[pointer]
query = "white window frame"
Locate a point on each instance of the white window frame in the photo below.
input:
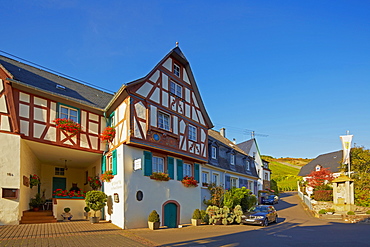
(216, 178)
(109, 163)
(248, 165)
(157, 164)
(213, 152)
(205, 177)
(68, 114)
(176, 70)
(233, 182)
(192, 133)
(176, 89)
(164, 120)
(187, 170)
(232, 159)
(317, 168)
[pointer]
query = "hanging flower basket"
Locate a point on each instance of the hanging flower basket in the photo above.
(34, 180)
(68, 125)
(108, 134)
(107, 176)
(160, 176)
(94, 182)
(189, 182)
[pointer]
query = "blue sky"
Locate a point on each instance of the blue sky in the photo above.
(297, 71)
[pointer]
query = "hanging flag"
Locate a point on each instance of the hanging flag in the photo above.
(346, 143)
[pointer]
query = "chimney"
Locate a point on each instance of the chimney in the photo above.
(234, 141)
(223, 132)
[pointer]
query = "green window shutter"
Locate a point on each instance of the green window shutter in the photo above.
(171, 167)
(180, 171)
(114, 162)
(196, 172)
(147, 163)
(103, 166)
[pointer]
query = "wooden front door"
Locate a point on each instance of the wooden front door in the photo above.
(170, 215)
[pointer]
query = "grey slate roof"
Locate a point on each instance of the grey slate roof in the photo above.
(223, 162)
(330, 160)
(45, 81)
(246, 146)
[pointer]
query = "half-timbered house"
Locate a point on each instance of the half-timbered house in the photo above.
(160, 126)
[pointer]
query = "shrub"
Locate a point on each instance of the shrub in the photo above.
(196, 214)
(368, 212)
(323, 195)
(322, 211)
(95, 200)
(205, 217)
(87, 209)
(350, 213)
(67, 210)
(331, 210)
(153, 216)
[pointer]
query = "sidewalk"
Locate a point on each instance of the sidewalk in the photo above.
(74, 233)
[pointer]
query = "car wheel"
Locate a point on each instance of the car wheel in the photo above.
(266, 222)
(276, 219)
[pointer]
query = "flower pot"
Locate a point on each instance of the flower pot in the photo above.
(153, 225)
(196, 222)
(94, 220)
(35, 209)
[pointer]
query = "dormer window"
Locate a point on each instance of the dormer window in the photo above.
(176, 70)
(232, 159)
(214, 152)
(176, 89)
(318, 168)
(247, 165)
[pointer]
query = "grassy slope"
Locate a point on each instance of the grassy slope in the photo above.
(285, 176)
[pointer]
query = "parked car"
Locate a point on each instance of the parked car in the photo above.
(260, 215)
(270, 199)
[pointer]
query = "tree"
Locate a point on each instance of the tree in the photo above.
(239, 196)
(318, 179)
(360, 166)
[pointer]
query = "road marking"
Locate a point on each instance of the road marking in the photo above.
(282, 236)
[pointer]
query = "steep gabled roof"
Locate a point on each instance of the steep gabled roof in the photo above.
(246, 146)
(330, 160)
(38, 79)
(180, 57)
(216, 135)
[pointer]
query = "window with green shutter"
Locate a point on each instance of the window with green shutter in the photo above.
(171, 167)
(180, 172)
(103, 164)
(147, 163)
(114, 162)
(196, 172)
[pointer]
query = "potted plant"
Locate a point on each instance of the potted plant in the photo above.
(331, 211)
(34, 180)
(86, 213)
(153, 220)
(36, 202)
(197, 218)
(67, 216)
(94, 182)
(189, 181)
(95, 200)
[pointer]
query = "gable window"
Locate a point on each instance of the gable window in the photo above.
(158, 164)
(318, 168)
(232, 159)
(176, 70)
(163, 121)
(68, 113)
(214, 152)
(176, 89)
(192, 133)
(188, 171)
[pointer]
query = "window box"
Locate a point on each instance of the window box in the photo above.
(160, 176)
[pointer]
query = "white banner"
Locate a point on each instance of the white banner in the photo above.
(346, 143)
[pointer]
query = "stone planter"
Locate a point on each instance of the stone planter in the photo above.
(196, 222)
(94, 220)
(153, 225)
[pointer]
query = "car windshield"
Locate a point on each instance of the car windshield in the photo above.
(259, 210)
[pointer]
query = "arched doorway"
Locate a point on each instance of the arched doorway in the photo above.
(171, 212)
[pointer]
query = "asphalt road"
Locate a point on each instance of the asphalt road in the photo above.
(296, 227)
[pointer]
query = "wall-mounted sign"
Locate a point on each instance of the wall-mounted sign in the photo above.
(137, 164)
(26, 181)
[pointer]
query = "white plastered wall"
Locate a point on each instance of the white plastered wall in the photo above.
(129, 212)
(10, 177)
